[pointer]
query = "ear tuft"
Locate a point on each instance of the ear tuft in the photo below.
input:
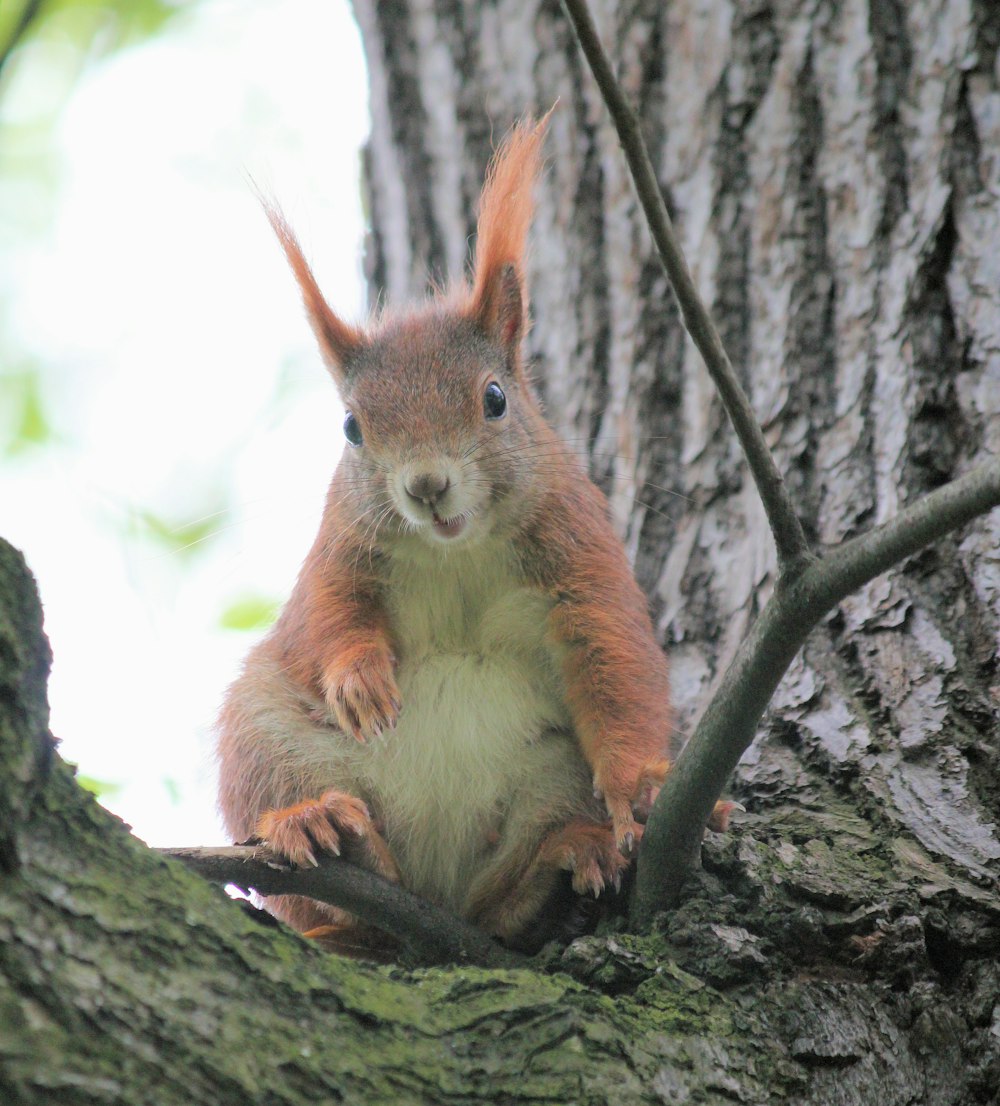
(338, 340)
(499, 291)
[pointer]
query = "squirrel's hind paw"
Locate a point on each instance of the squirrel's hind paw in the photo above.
(334, 823)
(590, 851)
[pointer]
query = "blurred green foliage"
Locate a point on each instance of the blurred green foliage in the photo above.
(249, 612)
(89, 28)
(185, 537)
(24, 423)
(45, 47)
(103, 789)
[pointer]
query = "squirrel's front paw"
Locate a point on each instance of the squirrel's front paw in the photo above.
(362, 695)
(629, 800)
(629, 796)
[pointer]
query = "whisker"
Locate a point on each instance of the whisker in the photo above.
(372, 528)
(655, 510)
(371, 546)
(667, 491)
(352, 525)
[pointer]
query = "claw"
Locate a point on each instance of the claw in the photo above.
(363, 696)
(718, 820)
(319, 932)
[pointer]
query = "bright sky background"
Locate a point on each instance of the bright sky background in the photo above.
(179, 373)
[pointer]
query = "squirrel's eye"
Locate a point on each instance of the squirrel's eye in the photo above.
(352, 431)
(494, 402)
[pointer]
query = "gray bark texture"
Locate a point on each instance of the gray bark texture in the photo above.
(834, 174)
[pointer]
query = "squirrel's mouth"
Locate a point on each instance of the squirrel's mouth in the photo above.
(448, 527)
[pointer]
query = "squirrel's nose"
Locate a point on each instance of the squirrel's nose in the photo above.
(427, 487)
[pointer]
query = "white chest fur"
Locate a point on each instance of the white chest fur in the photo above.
(477, 684)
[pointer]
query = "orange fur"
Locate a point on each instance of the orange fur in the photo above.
(335, 636)
(337, 339)
(535, 618)
(506, 207)
(350, 939)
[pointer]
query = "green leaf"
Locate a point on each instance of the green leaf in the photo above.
(249, 612)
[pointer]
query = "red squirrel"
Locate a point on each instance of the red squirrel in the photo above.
(464, 691)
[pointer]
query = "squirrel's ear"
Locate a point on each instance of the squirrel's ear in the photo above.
(498, 291)
(499, 307)
(338, 340)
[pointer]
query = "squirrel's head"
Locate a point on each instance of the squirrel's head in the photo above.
(440, 408)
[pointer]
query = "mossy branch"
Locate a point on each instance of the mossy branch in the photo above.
(807, 586)
(431, 935)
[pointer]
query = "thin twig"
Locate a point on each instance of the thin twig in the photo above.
(432, 935)
(673, 833)
(785, 525)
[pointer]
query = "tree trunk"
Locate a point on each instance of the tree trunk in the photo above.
(833, 173)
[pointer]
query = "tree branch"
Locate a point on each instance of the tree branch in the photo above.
(847, 567)
(433, 935)
(674, 830)
(784, 522)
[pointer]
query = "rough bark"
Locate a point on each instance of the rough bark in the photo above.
(832, 171)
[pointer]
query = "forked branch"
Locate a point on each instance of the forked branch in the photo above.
(807, 587)
(674, 830)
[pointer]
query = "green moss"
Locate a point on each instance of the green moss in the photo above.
(829, 857)
(672, 1001)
